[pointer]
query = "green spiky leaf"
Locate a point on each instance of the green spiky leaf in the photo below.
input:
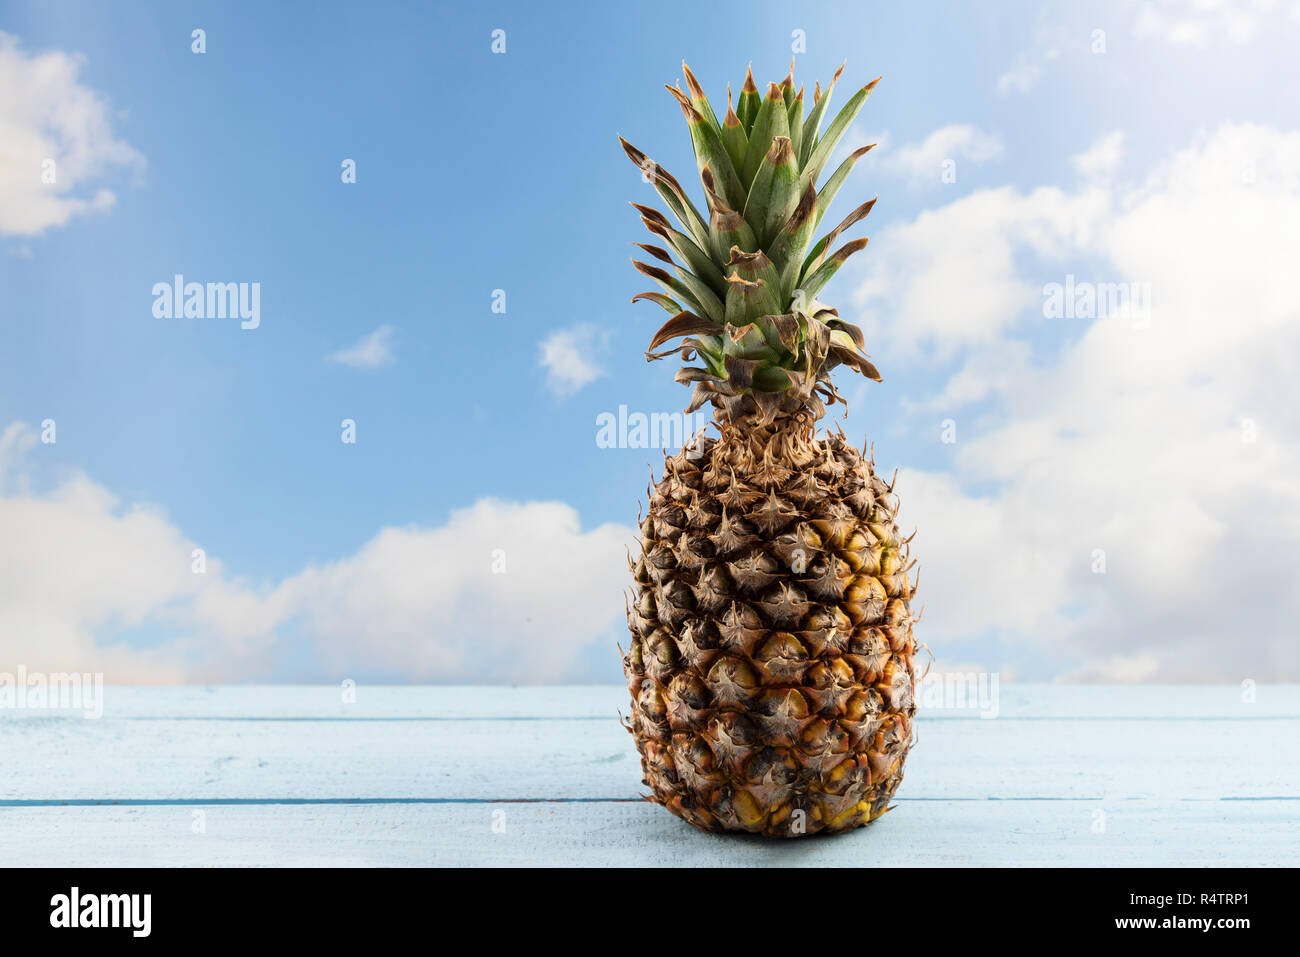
(696, 259)
(813, 123)
(730, 229)
(787, 86)
(664, 302)
(747, 342)
(826, 144)
(774, 192)
(727, 227)
(787, 249)
(818, 253)
(749, 102)
(769, 124)
(747, 300)
(671, 191)
(694, 293)
(754, 267)
(709, 151)
(794, 120)
(698, 99)
(811, 285)
(734, 138)
(827, 194)
(682, 324)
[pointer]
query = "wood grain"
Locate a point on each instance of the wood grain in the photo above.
(413, 776)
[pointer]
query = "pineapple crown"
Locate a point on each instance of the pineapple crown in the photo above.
(744, 296)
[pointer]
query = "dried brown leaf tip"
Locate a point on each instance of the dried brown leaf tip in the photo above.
(688, 110)
(657, 253)
(652, 214)
(774, 92)
(748, 260)
(801, 212)
(743, 283)
(634, 154)
(656, 297)
(781, 151)
(655, 227)
(750, 86)
(692, 84)
(849, 248)
(652, 271)
(872, 85)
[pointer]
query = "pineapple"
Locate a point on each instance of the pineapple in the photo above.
(771, 660)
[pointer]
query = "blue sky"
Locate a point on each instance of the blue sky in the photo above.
(479, 171)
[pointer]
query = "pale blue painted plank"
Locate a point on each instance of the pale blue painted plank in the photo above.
(916, 833)
(66, 758)
(1156, 761)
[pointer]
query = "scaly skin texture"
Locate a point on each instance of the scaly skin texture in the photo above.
(772, 657)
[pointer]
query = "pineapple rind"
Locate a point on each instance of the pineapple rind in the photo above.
(772, 659)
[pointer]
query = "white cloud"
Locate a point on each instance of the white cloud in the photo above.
(73, 563)
(1027, 69)
(16, 441)
(427, 605)
(46, 114)
(567, 355)
(369, 352)
(1103, 157)
(949, 278)
(1167, 445)
(1022, 77)
(1198, 23)
(1120, 669)
(924, 162)
(412, 604)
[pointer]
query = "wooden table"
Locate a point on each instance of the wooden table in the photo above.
(262, 775)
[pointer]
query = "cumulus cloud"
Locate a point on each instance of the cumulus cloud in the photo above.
(56, 141)
(1101, 159)
(1125, 500)
(369, 352)
(15, 441)
(949, 278)
(502, 592)
(924, 162)
(1027, 69)
(1021, 77)
(74, 563)
(1198, 23)
(568, 357)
